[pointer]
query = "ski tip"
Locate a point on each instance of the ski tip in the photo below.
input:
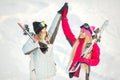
(106, 22)
(18, 23)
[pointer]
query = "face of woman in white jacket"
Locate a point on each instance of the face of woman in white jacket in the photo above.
(42, 36)
(44, 33)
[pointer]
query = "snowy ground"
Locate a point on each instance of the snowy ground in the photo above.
(14, 65)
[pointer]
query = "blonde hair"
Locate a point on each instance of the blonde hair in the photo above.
(40, 37)
(88, 39)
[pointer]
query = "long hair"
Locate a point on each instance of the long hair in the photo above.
(87, 40)
(41, 37)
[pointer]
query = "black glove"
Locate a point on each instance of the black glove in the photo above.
(43, 47)
(62, 9)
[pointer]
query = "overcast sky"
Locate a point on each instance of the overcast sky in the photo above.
(14, 65)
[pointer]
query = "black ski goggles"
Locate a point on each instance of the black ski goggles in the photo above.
(86, 26)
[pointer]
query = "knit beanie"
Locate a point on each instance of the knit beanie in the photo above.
(38, 26)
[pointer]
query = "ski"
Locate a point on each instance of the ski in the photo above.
(96, 38)
(26, 31)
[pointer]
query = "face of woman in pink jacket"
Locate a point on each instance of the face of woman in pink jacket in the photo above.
(86, 31)
(82, 34)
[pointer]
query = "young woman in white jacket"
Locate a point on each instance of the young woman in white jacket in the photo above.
(42, 65)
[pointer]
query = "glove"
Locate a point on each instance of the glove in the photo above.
(64, 10)
(43, 47)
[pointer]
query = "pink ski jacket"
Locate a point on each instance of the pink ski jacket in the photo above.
(93, 61)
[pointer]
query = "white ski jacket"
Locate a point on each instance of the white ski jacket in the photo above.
(42, 65)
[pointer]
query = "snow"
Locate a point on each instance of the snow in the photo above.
(15, 65)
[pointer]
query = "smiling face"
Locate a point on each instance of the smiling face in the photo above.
(82, 34)
(43, 33)
(42, 36)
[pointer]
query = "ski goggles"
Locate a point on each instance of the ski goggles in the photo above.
(86, 26)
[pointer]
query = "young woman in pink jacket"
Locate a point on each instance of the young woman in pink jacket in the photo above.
(79, 45)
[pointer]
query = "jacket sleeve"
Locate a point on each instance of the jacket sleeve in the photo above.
(29, 46)
(67, 32)
(94, 57)
(54, 27)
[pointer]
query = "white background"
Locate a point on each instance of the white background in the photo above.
(14, 65)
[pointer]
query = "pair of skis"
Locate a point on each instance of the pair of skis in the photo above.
(26, 31)
(96, 38)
